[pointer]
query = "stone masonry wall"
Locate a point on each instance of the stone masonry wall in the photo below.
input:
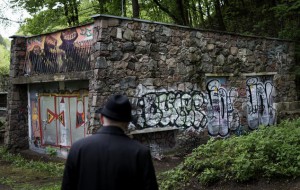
(191, 79)
(177, 78)
(16, 132)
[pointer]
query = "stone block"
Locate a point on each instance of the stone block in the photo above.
(119, 33)
(101, 63)
(171, 62)
(101, 23)
(94, 101)
(113, 22)
(16, 96)
(233, 50)
(147, 82)
(166, 31)
(128, 34)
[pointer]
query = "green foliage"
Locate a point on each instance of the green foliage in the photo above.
(208, 176)
(55, 169)
(44, 22)
(4, 56)
(261, 18)
(51, 151)
(174, 178)
(268, 152)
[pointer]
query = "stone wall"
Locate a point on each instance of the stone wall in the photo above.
(16, 132)
(191, 79)
(177, 78)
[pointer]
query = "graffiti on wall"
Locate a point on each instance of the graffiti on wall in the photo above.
(58, 119)
(215, 110)
(260, 102)
(63, 51)
(173, 108)
(221, 113)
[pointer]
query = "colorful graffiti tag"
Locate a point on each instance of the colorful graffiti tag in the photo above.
(63, 51)
(214, 110)
(181, 109)
(222, 116)
(259, 102)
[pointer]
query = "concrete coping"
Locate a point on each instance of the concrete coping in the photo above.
(219, 74)
(259, 74)
(153, 130)
(182, 26)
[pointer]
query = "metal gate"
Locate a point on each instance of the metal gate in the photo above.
(63, 119)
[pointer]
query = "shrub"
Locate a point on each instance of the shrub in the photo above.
(268, 152)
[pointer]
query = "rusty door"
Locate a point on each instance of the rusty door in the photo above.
(63, 119)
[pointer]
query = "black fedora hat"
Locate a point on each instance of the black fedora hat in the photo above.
(117, 108)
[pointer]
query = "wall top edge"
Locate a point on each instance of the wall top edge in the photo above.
(242, 74)
(259, 74)
(219, 74)
(153, 22)
(153, 130)
(97, 16)
(17, 36)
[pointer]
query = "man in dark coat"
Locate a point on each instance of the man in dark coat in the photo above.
(109, 159)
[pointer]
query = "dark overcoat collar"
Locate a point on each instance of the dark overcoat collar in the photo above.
(114, 130)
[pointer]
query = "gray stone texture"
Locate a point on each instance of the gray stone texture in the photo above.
(127, 53)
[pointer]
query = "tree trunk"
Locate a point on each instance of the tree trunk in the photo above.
(124, 8)
(221, 25)
(75, 12)
(201, 13)
(208, 13)
(183, 16)
(66, 12)
(135, 9)
(101, 4)
(167, 11)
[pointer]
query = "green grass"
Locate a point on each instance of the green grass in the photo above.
(20, 173)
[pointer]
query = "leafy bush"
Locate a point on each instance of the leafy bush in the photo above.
(51, 151)
(268, 152)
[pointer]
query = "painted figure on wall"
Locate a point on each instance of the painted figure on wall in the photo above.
(36, 132)
(63, 51)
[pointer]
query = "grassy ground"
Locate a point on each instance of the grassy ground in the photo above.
(24, 174)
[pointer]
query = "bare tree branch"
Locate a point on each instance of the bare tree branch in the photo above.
(7, 19)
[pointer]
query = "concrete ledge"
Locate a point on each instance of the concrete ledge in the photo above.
(153, 130)
(83, 75)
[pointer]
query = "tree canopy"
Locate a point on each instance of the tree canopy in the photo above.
(4, 55)
(273, 18)
(270, 18)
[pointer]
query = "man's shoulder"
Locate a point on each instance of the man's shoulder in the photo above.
(85, 140)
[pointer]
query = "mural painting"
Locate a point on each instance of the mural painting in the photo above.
(58, 119)
(63, 51)
(260, 92)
